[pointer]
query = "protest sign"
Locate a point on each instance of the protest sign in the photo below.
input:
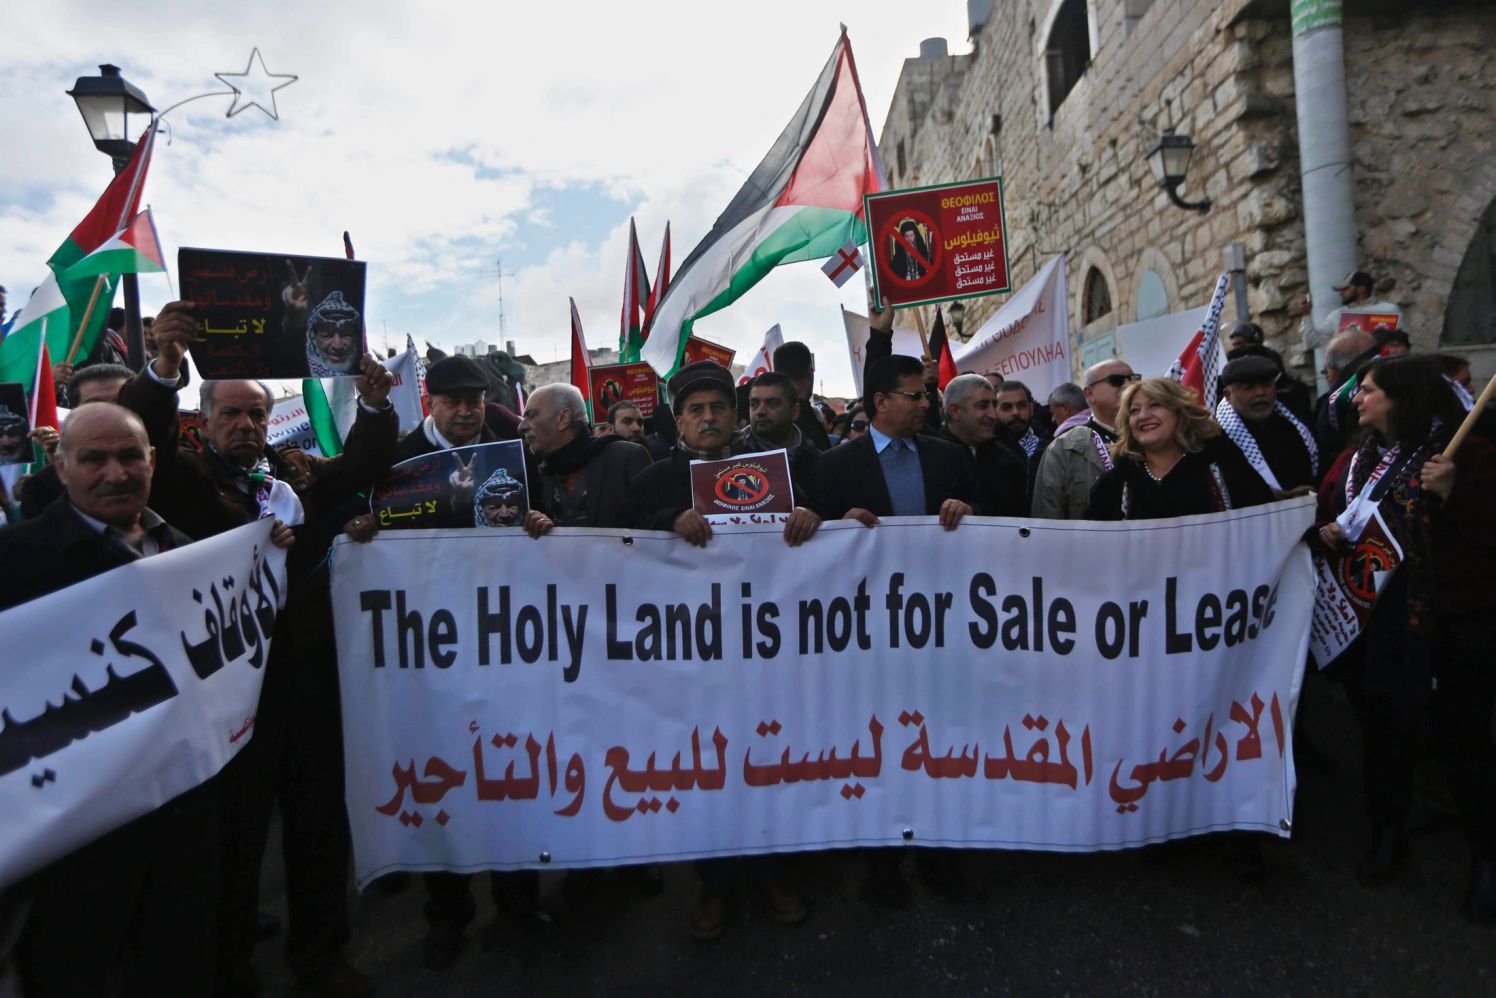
(479, 486)
(938, 243)
(290, 426)
(613, 383)
(625, 697)
(1368, 322)
(699, 350)
(749, 488)
(1028, 338)
(1346, 588)
(130, 688)
(269, 315)
(15, 424)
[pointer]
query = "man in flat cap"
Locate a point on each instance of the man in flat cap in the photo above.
(1275, 442)
(705, 404)
(455, 388)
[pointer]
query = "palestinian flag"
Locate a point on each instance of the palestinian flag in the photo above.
(662, 281)
(581, 360)
(86, 299)
(803, 202)
(135, 249)
(940, 350)
(635, 294)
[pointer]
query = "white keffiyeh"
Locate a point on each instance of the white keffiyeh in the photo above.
(1237, 433)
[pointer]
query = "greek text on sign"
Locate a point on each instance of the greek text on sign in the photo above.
(933, 244)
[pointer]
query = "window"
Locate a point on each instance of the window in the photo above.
(1470, 318)
(1153, 297)
(1067, 52)
(1098, 300)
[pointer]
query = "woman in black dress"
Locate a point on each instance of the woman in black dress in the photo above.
(1421, 675)
(1171, 460)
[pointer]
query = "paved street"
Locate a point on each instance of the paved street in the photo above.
(1169, 920)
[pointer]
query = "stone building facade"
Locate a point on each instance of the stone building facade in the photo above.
(1063, 99)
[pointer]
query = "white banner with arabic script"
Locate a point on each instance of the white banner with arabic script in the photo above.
(128, 689)
(598, 697)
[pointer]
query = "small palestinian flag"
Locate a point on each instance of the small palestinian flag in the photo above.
(135, 249)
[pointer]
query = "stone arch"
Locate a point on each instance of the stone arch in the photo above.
(1457, 239)
(1093, 273)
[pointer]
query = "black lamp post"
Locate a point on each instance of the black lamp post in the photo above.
(110, 105)
(958, 318)
(1170, 161)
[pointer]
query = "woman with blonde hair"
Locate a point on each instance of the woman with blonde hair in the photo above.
(1170, 459)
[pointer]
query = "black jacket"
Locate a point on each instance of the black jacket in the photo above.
(1001, 476)
(602, 497)
(57, 549)
(661, 492)
(804, 460)
(1187, 490)
(850, 476)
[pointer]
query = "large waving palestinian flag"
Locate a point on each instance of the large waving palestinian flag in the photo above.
(803, 202)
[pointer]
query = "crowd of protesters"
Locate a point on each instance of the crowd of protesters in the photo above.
(169, 903)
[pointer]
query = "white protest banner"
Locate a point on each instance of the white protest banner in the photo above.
(599, 697)
(1028, 339)
(1150, 347)
(905, 341)
(130, 688)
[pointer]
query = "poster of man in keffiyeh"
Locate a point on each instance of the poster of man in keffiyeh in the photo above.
(268, 315)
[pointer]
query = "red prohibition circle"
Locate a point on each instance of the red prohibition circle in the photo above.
(751, 482)
(890, 230)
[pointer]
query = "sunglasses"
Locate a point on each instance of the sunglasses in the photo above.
(1116, 380)
(859, 424)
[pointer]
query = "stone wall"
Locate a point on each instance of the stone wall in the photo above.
(1420, 99)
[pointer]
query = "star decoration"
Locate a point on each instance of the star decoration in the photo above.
(255, 87)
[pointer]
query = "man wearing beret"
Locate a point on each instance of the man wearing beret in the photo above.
(455, 389)
(1275, 442)
(705, 405)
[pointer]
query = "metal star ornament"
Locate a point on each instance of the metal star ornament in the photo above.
(256, 86)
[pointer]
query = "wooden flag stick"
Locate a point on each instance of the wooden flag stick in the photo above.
(924, 340)
(1471, 417)
(93, 300)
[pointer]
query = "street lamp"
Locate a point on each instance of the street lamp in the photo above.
(958, 318)
(1170, 161)
(108, 102)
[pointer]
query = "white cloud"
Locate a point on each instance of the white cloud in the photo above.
(427, 130)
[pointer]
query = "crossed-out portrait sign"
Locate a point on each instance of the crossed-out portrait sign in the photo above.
(938, 243)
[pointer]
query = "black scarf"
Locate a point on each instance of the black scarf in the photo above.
(574, 456)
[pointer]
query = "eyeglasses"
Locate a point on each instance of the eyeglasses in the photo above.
(911, 396)
(859, 424)
(1116, 380)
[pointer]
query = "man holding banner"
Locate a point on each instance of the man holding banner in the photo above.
(135, 907)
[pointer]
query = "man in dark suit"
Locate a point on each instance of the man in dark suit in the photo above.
(296, 755)
(971, 422)
(1020, 432)
(892, 470)
(133, 911)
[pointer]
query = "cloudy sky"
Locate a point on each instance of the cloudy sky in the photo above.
(448, 136)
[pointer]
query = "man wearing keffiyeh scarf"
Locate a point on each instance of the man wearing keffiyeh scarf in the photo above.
(1420, 673)
(1279, 447)
(294, 760)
